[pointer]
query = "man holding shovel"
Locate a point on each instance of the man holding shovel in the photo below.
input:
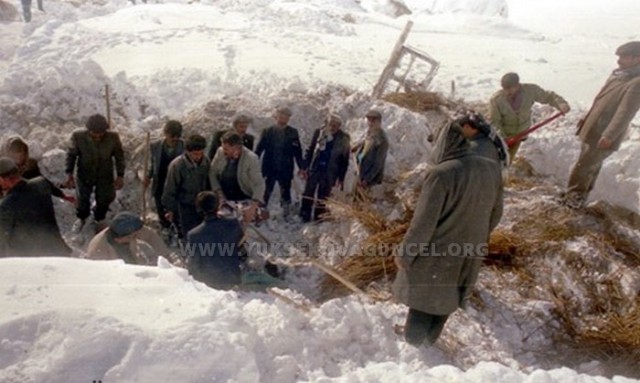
(510, 107)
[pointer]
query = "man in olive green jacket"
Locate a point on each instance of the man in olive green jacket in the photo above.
(96, 151)
(605, 126)
(510, 107)
(440, 256)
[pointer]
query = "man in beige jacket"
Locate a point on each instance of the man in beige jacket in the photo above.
(605, 126)
(128, 239)
(510, 107)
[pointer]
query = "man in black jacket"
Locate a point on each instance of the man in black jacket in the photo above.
(280, 144)
(28, 225)
(326, 160)
(163, 151)
(240, 125)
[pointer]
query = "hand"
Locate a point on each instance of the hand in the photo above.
(146, 181)
(564, 108)
(363, 184)
(604, 143)
(69, 183)
(168, 216)
(118, 183)
(249, 214)
(339, 185)
(69, 198)
(304, 174)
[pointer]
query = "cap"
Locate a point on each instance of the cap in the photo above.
(7, 166)
(125, 223)
(241, 118)
(632, 48)
(284, 110)
(334, 118)
(510, 79)
(374, 114)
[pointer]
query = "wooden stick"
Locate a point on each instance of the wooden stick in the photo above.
(107, 98)
(145, 169)
(331, 271)
(288, 300)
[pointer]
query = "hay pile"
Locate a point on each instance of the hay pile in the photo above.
(417, 101)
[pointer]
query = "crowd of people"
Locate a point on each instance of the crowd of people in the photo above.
(192, 180)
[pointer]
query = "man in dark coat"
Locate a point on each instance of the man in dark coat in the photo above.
(484, 140)
(213, 247)
(605, 126)
(326, 161)
(28, 225)
(96, 152)
(163, 151)
(371, 154)
(240, 125)
(187, 176)
(440, 256)
(279, 146)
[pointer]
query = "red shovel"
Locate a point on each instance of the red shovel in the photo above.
(515, 139)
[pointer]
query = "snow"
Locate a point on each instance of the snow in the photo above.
(67, 320)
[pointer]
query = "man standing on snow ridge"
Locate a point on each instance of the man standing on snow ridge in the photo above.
(280, 144)
(371, 154)
(95, 151)
(510, 107)
(441, 253)
(605, 126)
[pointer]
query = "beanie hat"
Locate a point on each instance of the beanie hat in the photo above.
(374, 114)
(632, 48)
(125, 223)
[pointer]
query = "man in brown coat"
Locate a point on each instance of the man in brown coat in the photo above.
(605, 126)
(441, 253)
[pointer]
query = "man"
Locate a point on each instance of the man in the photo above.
(371, 154)
(240, 125)
(163, 151)
(605, 126)
(235, 174)
(510, 108)
(440, 256)
(26, 9)
(96, 152)
(187, 176)
(213, 247)
(326, 161)
(280, 145)
(28, 225)
(484, 141)
(128, 239)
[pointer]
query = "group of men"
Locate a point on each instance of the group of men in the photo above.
(440, 256)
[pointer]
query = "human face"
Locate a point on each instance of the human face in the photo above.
(171, 141)
(232, 152)
(282, 119)
(373, 122)
(97, 135)
(196, 155)
(512, 90)
(334, 127)
(627, 61)
(241, 128)
(468, 131)
(20, 158)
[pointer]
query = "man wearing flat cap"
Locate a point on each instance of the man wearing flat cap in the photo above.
(240, 125)
(28, 225)
(128, 239)
(279, 146)
(605, 125)
(371, 154)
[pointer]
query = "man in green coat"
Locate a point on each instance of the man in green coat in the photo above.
(97, 156)
(605, 126)
(440, 256)
(510, 107)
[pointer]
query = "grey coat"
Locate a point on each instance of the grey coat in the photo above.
(613, 109)
(249, 175)
(185, 180)
(460, 203)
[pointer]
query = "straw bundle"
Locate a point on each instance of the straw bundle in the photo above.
(416, 101)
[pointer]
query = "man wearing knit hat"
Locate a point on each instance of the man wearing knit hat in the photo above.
(128, 239)
(605, 126)
(28, 225)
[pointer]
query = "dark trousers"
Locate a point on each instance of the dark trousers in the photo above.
(26, 10)
(188, 218)
(104, 195)
(585, 171)
(320, 182)
(284, 182)
(422, 328)
(157, 197)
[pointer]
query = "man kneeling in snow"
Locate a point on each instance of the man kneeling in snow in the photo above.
(441, 253)
(128, 239)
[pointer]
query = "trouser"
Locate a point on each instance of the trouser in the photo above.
(317, 181)
(157, 197)
(26, 9)
(513, 150)
(421, 328)
(585, 171)
(284, 181)
(188, 218)
(105, 193)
